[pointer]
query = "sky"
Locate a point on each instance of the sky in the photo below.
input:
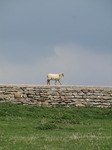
(38, 37)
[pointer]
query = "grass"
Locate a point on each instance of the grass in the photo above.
(58, 128)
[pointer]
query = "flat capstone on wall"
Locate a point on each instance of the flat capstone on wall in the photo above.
(56, 95)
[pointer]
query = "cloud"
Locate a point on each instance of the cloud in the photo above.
(81, 66)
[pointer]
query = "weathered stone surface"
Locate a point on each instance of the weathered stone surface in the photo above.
(107, 97)
(17, 95)
(80, 105)
(56, 95)
(64, 104)
(78, 96)
(45, 104)
(30, 96)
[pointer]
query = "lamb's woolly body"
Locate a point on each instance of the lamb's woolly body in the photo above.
(55, 77)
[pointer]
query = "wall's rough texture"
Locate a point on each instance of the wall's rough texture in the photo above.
(56, 95)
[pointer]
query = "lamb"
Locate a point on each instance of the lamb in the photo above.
(55, 77)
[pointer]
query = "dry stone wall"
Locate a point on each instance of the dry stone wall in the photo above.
(56, 95)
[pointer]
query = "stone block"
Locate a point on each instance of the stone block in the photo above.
(78, 96)
(1, 97)
(106, 97)
(17, 95)
(45, 104)
(96, 103)
(64, 104)
(30, 96)
(79, 105)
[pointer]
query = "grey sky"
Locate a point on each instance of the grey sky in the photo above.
(50, 36)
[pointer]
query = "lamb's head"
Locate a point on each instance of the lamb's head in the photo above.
(61, 75)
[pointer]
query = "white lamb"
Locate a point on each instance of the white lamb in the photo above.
(55, 77)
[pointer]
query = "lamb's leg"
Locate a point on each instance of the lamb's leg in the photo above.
(48, 82)
(59, 82)
(55, 82)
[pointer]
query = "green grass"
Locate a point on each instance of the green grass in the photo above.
(58, 128)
